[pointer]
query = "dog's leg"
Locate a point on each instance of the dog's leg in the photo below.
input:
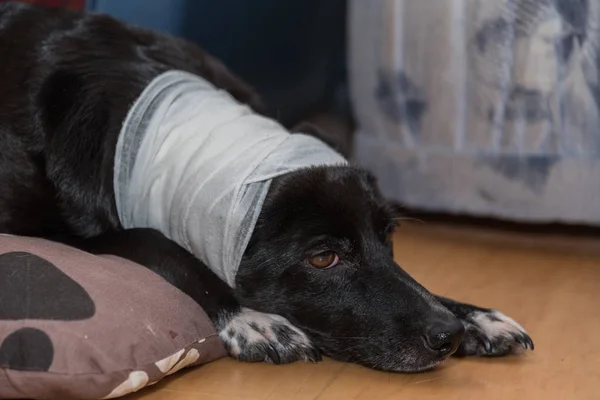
(248, 335)
(488, 332)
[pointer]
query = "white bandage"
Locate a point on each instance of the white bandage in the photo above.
(196, 165)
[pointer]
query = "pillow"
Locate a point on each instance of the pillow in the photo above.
(77, 325)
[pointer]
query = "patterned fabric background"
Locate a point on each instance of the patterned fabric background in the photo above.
(480, 106)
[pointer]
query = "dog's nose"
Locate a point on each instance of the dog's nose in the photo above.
(444, 336)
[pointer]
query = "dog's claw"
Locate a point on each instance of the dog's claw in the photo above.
(487, 344)
(529, 342)
(314, 355)
(524, 340)
(273, 357)
(519, 339)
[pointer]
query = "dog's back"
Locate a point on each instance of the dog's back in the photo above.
(67, 80)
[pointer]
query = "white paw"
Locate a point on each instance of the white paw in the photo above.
(491, 333)
(254, 336)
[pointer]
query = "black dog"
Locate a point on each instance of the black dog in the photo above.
(317, 276)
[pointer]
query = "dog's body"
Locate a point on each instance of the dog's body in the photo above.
(67, 81)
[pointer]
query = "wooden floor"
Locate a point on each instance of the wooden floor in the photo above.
(551, 285)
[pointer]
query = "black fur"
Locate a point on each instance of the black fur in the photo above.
(66, 82)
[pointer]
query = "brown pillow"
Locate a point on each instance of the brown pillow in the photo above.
(76, 325)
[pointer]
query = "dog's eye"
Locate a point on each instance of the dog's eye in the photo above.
(324, 260)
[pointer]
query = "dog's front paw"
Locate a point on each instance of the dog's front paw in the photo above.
(491, 333)
(254, 336)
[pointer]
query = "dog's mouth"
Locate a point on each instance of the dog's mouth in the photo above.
(422, 369)
(415, 358)
(426, 366)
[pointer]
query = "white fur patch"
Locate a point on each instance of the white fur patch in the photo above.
(495, 324)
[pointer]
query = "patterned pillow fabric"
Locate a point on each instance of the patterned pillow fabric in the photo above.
(81, 326)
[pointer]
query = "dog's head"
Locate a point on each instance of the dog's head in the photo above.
(321, 256)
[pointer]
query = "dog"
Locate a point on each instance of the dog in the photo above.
(317, 275)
